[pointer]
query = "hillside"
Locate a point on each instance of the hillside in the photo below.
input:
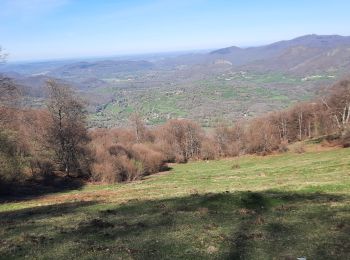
(281, 206)
(306, 54)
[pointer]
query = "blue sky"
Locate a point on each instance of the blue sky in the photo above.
(54, 29)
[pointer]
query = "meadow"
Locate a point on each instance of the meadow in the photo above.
(281, 206)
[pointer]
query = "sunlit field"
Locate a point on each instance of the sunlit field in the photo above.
(274, 207)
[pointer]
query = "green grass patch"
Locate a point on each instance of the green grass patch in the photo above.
(275, 207)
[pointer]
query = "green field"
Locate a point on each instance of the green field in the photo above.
(274, 207)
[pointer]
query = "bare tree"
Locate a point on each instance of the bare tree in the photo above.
(184, 137)
(230, 139)
(262, 136)
(66, 129)
(7, 87)
(338, 104)
(9, 93)
(139, 127)
(282, 125)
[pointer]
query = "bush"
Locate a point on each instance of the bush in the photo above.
(126, 169)
(262, 137)
(151, 161)
(166, 150)
(41, 166)
(345, 138)
(10, 164)
(209, 150)
(229, 140)
(119, 150)
(283, 147)
(299, 148)
(183, 138)
(103, 171)
(117, 158)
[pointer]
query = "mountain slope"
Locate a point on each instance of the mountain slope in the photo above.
(306, 54)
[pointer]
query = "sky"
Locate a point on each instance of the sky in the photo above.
(58, 29)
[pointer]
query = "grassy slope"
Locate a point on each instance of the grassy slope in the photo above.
(275, 207)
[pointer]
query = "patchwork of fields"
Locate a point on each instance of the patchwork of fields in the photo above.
(212, 98)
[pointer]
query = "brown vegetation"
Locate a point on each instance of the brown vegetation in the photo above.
(66, 131)
(38, 144)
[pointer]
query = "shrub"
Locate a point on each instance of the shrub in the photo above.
(119, 150)
(262, 137)
(103, 171)
(41, 166)
(209, 149)
(283, 147)
(126, 169)
(229, 139)
(151, 161)
(118, 159)
(299, 148)
(10, 165)
(184, 138)
(345, 138)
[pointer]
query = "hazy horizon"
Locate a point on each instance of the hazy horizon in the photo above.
(145, 55)
(38, 30)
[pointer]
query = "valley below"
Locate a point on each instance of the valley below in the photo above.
(224, 85)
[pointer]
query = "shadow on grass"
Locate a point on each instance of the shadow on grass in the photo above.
(241, 225)
(38, 187)
(165, 169)
(42, 212)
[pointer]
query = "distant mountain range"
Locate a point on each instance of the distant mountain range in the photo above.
(104, 67)
(303, 55)
(306, 54)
